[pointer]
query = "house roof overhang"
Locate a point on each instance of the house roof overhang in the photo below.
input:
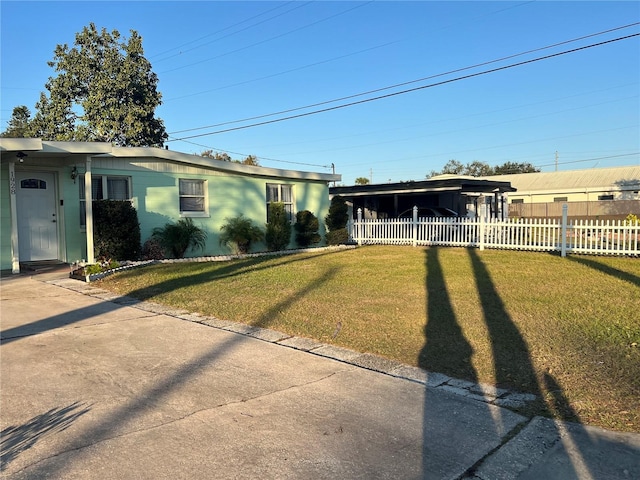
(37, 148)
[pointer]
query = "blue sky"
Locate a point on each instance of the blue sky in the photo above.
(220, 62)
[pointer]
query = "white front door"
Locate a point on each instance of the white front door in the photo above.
(37, 216)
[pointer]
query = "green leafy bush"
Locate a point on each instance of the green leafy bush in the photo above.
(278, 234)
(116, 230)
(177, 238)
(306, 228)
(337, 220)
(239, 233)
(92, 269)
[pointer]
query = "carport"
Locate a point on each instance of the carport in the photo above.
(466, 195)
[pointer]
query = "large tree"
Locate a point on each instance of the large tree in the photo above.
(18, 124)
(104, 91)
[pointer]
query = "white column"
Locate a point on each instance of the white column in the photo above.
(15, 251)
(88, 210)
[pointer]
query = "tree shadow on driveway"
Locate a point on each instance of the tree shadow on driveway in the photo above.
(18, 438)
(112, 424)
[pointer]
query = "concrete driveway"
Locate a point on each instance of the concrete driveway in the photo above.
(95, 386)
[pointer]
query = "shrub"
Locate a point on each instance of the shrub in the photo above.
(337, 220)
(116, 230)
(338, 237)
(306, 228)
(338, 214)
(632, 219)
(278, 234)
(177, 238)
(152, 250)
(239, 233)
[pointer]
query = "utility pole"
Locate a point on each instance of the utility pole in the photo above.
(556, 160)
(371, 175)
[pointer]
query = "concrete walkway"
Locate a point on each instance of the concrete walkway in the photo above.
(96, 386)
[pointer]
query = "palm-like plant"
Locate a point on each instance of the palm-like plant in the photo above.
(178, 237)
(239, 233)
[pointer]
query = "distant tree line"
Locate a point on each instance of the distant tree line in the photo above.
(223, 156)
(482, 169)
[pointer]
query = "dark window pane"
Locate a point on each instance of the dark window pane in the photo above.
(192, 204)
(33, 183)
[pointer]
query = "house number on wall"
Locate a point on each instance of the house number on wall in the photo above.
(12, 183)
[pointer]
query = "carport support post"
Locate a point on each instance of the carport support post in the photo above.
(563, 240)
(88, 211)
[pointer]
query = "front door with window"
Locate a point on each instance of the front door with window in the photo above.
(37, 216)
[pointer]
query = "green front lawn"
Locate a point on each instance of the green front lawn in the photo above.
(566, 329)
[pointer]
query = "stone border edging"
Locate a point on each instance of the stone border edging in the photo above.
(215, 258)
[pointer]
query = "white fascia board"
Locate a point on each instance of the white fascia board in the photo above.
(197, 160)
(20, 144)
(85, 148)
(394, 192)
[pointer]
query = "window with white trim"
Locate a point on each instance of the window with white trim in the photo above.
(281, 193)
(193, 197)
(103, 188)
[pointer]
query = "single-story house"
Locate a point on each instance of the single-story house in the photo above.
(612, 192)
(467, 196)
(47, 190)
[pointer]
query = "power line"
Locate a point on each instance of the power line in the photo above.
(448, 132)
(412, 81)
(259, 158)
(360, 5)
(228, 28)
(588, 160)
(296, 68)
(402, 92)
(278, 74)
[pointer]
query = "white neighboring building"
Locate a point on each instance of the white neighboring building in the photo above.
(598, 192)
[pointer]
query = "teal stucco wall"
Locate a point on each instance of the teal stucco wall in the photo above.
(157, 199)
(155, 195)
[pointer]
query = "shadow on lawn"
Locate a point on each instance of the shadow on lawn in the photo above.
(447, 350)
(601, 267)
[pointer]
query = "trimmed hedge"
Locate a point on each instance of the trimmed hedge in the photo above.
(116, 230)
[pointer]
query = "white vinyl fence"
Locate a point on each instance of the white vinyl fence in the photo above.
(583, 236)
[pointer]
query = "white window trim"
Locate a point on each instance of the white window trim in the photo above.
(191, 214)
(292, 202)
(105, 191)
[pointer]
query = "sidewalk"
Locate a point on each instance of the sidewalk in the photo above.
(98, 386)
